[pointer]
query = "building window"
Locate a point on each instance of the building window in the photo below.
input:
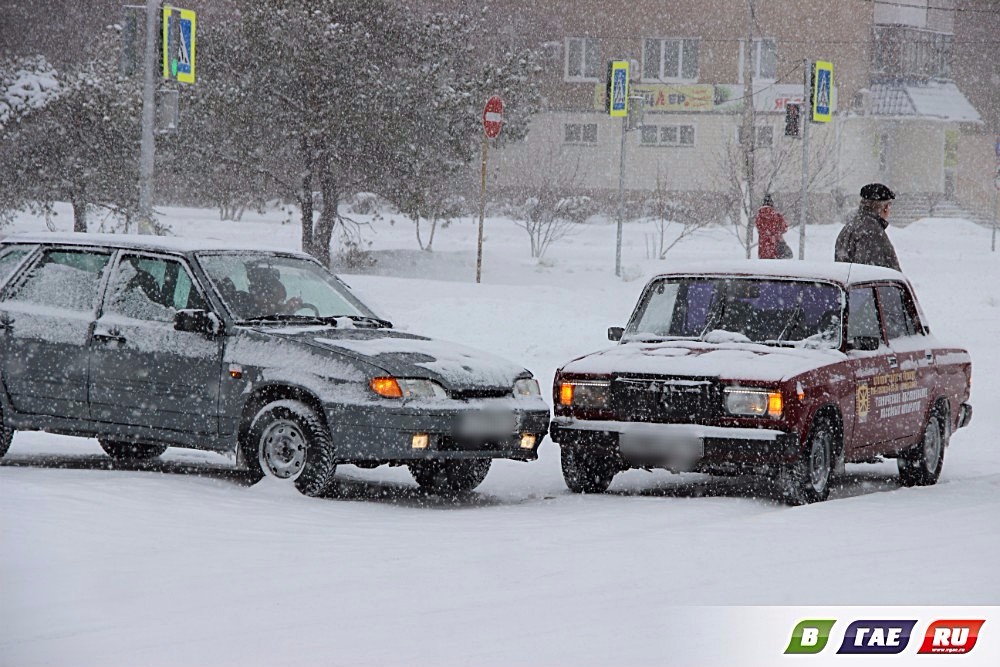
(764, 136)
(581, 133)
(670, 59)
(583, 59)
(667, 135)
(765, 60)
(902, 51)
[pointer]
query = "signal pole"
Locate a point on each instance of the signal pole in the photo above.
(805, 121)
(147, 145)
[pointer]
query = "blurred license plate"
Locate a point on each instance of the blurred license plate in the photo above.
(675, 451)
(487, 424)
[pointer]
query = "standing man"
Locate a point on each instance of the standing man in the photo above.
(771, 226)
(863, 239)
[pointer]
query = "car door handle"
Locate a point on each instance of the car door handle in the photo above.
(929, 357)
(111, 336)
(893, 363)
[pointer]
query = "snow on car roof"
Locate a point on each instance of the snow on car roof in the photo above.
(140, 241)
(837, 272)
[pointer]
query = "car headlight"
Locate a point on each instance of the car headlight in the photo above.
(526, 388)
(753, 402)
(391, 387)
(584, 393)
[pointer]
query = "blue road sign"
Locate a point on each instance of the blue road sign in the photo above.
(822, 105)
(618, 89)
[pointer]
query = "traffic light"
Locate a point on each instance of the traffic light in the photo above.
(793, 116)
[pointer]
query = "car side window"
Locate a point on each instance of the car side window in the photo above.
(862, 314)
(899, 320)
(63, 279)
(9, 261)
(152, 288)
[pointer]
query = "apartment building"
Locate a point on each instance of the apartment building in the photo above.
(899, 115)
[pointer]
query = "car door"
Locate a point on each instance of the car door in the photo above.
(143, 372)
(46, 317)
(871, 369)
(907, 394)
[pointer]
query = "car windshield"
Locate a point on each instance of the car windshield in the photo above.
(775, 312)
(263, 286)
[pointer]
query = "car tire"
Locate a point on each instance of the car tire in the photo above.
(921, 464)
(586, 471)
(449, 475)
(122, 450)
(808, 479)
(288, 441)
(6, 435)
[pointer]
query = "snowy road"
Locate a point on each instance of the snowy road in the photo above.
(179, 563)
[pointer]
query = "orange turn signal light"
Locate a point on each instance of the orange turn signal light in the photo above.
(387, 387)
(566, 393)
(774, 404)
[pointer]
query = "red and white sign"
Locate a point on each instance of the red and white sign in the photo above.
(493, 116)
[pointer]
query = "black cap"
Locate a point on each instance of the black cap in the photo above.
(877, 192)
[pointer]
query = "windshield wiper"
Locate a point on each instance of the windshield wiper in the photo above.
(375, 322)
(287, 317)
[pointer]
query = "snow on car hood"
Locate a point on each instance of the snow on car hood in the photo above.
(407, 355)
(737, 361)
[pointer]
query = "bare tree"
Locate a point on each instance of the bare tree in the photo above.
(673, 221)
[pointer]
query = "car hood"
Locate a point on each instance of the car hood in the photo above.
(400, 354)
(731, 361)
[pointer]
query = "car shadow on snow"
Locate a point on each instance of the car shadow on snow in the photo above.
(851, 484)
(102, 462)
(344, 487)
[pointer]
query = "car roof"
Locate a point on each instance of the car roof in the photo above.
(837, 272)
(140, 242)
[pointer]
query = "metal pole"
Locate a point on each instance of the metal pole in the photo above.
(621, 201)
(748, 143)
(993, 241)
(806, 120)
(147, 145)
(482, 214)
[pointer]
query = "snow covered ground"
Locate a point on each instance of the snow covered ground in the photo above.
(178, 563)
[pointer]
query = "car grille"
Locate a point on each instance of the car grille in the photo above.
(683, 400)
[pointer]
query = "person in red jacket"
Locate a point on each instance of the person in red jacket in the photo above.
(771, 226)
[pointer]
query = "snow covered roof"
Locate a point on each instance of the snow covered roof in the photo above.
(938, 100)
(837, 272)
(141, 241)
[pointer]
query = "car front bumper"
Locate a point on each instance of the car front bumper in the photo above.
(681, 447)
(378, 433)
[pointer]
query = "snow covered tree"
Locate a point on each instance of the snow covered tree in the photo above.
(79, 144)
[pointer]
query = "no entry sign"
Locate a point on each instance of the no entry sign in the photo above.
(493, 116)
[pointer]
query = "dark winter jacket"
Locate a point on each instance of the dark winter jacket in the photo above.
(863, 241)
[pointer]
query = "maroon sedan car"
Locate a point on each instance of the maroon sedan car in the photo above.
(788, 370)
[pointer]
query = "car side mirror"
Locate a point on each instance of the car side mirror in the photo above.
(198, 321)
(616, 333)
(866, 343)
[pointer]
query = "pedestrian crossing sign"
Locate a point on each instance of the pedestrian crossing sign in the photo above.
(618, 88)
(178, 44)
(822, 91)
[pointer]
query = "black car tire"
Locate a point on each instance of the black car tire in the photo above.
(121, 450)
(586, 471)
(921, 464)
(287, 440)
(6, 435)
(808, 479)
(449, 475)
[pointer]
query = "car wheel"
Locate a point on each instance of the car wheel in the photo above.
(921, 465)
(288, 441)
(450, 475)
(586, 471)
(121, 450)
(808, 479)
(6, 435)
